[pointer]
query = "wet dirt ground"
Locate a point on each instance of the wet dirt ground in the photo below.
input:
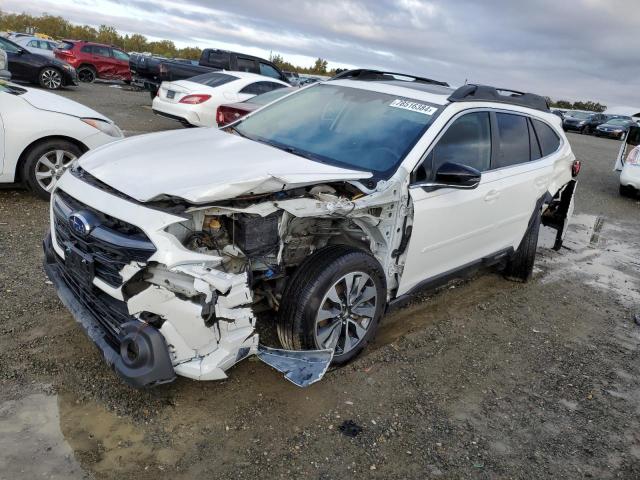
(482, 379)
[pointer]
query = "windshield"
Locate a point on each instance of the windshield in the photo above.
(344, 126)
(582, 116)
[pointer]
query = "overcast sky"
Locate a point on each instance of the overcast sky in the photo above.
(574, 49)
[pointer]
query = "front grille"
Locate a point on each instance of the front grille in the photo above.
(112, 243)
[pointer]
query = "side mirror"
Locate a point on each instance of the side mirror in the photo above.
(452, 175)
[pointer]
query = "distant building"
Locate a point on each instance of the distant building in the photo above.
(622, 110)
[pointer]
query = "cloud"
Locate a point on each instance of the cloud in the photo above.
(582, 49)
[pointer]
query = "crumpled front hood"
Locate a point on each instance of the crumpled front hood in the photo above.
(55, 103)
(203, 165)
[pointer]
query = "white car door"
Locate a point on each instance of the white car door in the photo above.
(451, 227)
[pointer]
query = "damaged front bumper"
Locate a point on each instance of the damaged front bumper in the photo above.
(143, 355)
(142, 358)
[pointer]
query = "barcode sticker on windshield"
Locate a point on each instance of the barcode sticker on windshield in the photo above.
(413, 106)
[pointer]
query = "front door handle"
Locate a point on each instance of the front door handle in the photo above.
(491, 196)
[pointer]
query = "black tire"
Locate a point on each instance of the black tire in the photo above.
(152, 94)
(87, 74)
(296, 325)
(35, 153)
(520, 266)
(627, 191)
(50, 78)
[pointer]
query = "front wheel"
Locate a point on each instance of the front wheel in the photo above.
(627, 191)
(520, 266)
(46, 162)
(50, 78)
(334, 301)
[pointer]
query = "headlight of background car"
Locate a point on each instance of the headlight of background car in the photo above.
(105, 127)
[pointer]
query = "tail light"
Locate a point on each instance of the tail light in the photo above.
(227, 114)
(575, 168)
(195, 99)
(220, 117)
(64, 53)
(634, 156)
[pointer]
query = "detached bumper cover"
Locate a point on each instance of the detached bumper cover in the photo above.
(141, 358)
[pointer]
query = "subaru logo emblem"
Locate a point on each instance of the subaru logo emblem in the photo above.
(79, 224)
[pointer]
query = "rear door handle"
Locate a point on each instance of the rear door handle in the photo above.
(491, 195)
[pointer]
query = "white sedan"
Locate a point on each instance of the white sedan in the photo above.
(41, 134)
(194, 101)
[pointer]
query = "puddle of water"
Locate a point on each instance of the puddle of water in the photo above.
(31, 443)
(601, 253)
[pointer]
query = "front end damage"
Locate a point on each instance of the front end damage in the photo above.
(194, 306)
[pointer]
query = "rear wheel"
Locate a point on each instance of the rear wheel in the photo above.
(50, 78)
(334, 301)
(87, 74)
(520, 266)
(46, 162)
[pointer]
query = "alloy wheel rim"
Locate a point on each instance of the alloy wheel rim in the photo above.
(52, 79)
(346, 313)
(50, 167)
(85, 75)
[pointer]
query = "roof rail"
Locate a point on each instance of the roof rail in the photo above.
(366, 74)
(484, 93)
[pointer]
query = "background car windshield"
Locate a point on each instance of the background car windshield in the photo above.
(582, 116)
(270, 96)
(345, 126)
(212, 79)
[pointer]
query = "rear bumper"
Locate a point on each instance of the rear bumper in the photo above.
(630, 176)
(141, 358)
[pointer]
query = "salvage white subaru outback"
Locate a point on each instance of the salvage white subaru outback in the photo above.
(314, 214)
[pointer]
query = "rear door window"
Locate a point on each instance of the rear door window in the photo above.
(101, 51)
(247, 65)
(513, 135)
(549, 140)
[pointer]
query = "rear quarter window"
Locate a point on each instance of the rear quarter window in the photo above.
(549, 140)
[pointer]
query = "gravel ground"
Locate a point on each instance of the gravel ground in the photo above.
(482, 379)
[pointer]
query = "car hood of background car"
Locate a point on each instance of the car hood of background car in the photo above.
(56, 103)
(204, 165)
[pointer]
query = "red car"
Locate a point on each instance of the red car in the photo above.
(233, 111)
(94, 60)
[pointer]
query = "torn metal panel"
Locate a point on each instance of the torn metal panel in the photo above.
(301, 367)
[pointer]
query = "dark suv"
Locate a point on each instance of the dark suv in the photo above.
(584, 122)
(95, 60)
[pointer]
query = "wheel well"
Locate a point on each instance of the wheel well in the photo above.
(32, 145)
(87, 65)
